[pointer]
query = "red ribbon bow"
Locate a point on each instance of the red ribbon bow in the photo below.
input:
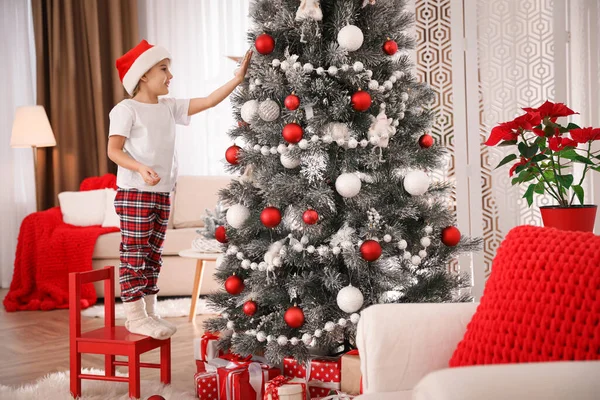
(204, 343)
(274, 385)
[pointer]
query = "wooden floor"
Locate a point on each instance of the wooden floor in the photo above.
(36, 343)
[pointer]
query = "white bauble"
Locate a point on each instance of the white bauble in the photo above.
(350, 37)
(416, 260)
(428, 230)
(250, 111)
(329, 326)
(352, 143)
(318, 333)
(350, 299)
(364, 143)
(320, 71)
(261, 336)
(354, 318)
(308, 67)
(332, 70)
(342, 322)
(282, 148)
(387, 238)
(358, 66)
(402, 245)
(276, 63)
(387, 85)
(288, 161)
(373, 85)
(422, 254)
(265, 151)
(348, 185)
(237, 215)
(416, 183)
(345, 67)
(282, 340)
(307, 338)
(404, 96)
(273, 150)
(303, 144)
(285, 65)
(294, 341)
(269, 110)
(425, 241)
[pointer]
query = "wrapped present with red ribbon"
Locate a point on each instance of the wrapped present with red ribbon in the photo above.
(206, 385)
(206, 349)
(351, 376)
(322, 374)
(285, 388)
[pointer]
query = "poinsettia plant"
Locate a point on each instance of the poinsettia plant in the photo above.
(546, 152)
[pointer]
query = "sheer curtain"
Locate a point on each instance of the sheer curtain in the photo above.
(200, 34)
(17, 72)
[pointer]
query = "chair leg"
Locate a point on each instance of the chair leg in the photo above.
(75, 371)
(109, 365)
(134, 375)
(165, 362)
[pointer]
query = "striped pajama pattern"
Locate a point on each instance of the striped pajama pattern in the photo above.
(144, 217)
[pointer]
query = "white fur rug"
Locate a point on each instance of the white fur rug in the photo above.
(56, 387)
(165, 308)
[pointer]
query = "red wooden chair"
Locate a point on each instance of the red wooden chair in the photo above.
(111, 340)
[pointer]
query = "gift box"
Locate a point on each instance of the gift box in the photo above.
(351, 376)
(285, 388)
(322, 374)
(206, 349)
(206, 385)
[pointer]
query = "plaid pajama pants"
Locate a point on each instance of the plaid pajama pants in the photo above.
(144, 217)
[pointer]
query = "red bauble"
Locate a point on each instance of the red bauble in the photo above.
(220, 234)
(361, 100)
(292, 102)
(390, 47)
(270, 217)
(370, 250)
(426, 141)
(310, 217)
(450, 236)
(250, 308)
(232, 153)
(265, 44)
(156, 397)
(292, 133)
(294, 317)
(234, 285)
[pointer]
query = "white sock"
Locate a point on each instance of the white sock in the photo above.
(139, 322)
(151, 310)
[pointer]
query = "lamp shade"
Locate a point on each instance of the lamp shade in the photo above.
(31, 128)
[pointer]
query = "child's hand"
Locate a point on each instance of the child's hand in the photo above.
(149, 175)
(241, 72)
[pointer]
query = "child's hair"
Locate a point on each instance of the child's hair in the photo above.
(136, 90)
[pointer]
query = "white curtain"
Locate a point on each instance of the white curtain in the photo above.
(200, 34)
(17, 80)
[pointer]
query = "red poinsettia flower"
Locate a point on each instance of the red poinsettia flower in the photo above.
(504, 131)
(557, 143)
(523, 161)
(584, 135)
(528, 121)
(551, 110)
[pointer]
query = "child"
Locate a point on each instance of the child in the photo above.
(142, 143)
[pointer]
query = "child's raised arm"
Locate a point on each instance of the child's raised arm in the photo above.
(202, 103)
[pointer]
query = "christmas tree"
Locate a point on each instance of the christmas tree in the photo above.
(334, 209)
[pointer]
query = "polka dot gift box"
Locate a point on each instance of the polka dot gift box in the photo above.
(206, 386)
(323, 374)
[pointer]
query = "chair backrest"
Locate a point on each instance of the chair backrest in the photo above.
(76, 280)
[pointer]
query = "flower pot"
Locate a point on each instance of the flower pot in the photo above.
(573, 218)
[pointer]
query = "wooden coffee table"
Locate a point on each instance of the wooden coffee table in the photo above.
(202, 258)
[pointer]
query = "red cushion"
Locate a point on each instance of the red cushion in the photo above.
(106, 181)
(541, 302)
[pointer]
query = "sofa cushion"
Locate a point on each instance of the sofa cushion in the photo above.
(83, 208)
(541, 302)
(107, 246)
(193, 196)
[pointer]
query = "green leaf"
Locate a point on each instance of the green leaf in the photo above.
(539, 158)
(507, 159)
(515, 181)
(549, 175)
(539, 188)
(529, 194)
(571, 154)
(541, 141)
(579, 192)
(565, 180)
(507, 143)
(528, 151)
(572, 126)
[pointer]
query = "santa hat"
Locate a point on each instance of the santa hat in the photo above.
(137, 61)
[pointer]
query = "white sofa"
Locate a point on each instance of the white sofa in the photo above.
(192, 196)
(405, 349)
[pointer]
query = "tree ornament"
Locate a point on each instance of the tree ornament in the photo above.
(232, 153)
(350, 38)
(426, 141)
(450, 236)
(234, 285)
(270, 217)
(249, 111)
(292, 102)
(250, 308)
(265, 44)
(348, 185)
(416, 183)
(361, 100)
(221, 234)
(288, 161)
(367, 2)
(309, 9)
(292, 133)
(350, 299)
(390, 47)
(156, 397)
(381, 129)
(294, 317)
(237, 215)
(310, 217)
(268, 110)
(370, 250)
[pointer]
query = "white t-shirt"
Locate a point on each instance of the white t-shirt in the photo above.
(150, 132)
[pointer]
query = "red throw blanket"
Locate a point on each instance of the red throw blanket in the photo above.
(47, 251)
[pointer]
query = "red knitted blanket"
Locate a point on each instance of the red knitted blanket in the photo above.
(47, 251)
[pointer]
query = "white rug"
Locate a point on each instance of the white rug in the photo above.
(56, 387)
(165, 308)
